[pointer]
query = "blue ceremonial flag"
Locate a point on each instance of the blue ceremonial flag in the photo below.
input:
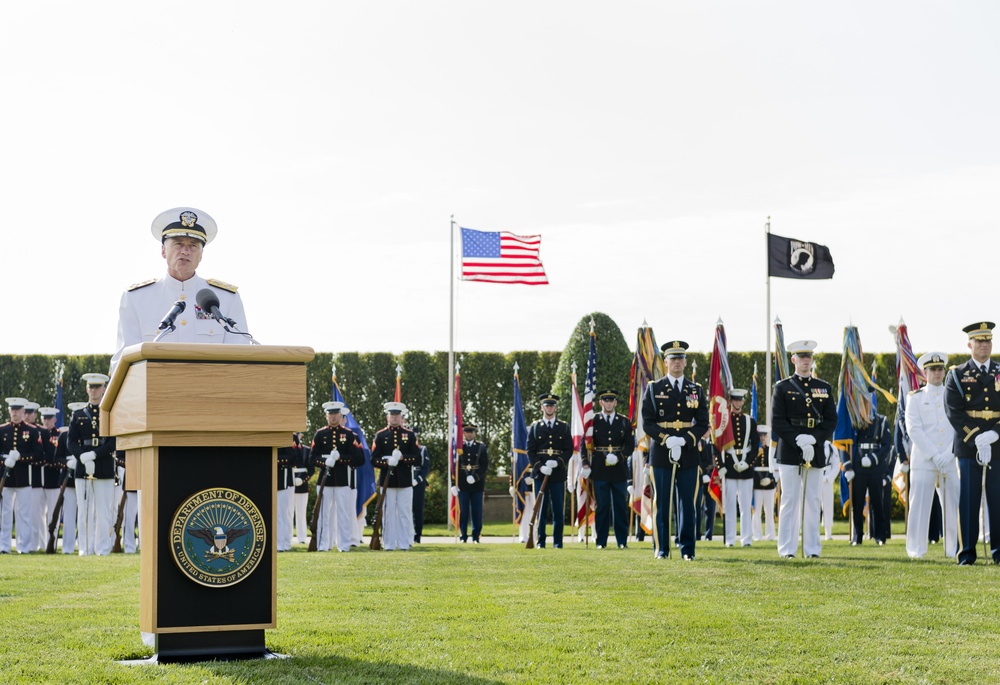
(843, 438)
(59, 404)
(519, 449)
(365, 474)
(753, 394)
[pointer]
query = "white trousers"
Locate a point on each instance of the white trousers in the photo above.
(69, 520)
(17, 500)
(49, 497)
(827, 508)
(95, 515)
(738, 491)
(764, 499)
(285, 502)
(130, 521)
(791, 516)
(300, 518)
(40, 536)
(525, 525)
(397, 520)
(922, 486)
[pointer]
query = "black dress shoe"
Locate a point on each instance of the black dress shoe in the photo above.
(814, 556)
(622, 546)
(789, 556)
(966, 562)
(687, 557)
(600, 547)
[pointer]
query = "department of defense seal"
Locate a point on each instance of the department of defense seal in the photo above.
(217, 537)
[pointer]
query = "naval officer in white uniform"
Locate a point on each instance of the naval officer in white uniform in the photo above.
(183, 233)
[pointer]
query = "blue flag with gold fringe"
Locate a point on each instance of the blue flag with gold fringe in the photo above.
(519, 449)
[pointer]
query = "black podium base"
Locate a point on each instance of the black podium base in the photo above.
(228, 645)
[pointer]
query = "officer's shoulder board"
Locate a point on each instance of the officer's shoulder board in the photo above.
(914, 392)
(141, 284)
(222, 284)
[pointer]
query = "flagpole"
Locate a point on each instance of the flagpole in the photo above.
(767, 319)
(451, 355)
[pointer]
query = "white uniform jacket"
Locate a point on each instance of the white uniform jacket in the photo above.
(928, 426)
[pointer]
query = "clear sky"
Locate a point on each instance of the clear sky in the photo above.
(647, 142)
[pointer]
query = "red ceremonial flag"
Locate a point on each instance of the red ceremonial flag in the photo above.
(398, 397)
(502, 257)
(720, 382)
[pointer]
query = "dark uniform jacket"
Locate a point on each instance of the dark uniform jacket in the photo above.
(351, 455)
(972, 404)
(744, 429)
(667, 413)
(875, 442)
(545, 443)
(473, 462)
(802, 405)
(84, 436)
(42, 457)
(286, 461)
(611, 437)
(760, 462)
(396, 438)
(51, 470)
(303, 460)
(24, 438)
(61, 454)
(420, 474)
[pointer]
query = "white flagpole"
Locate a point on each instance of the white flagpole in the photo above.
(451, 359)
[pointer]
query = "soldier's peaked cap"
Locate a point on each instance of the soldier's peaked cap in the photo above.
(184, 222)
(980, 329)
(675, 349)
(548, 398)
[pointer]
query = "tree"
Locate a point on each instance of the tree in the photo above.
(614, 360)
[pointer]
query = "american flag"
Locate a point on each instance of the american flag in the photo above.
(588, 392)
(501, 257)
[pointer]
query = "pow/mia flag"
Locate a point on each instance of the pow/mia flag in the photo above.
(790, 258)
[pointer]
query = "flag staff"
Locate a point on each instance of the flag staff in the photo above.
(451, 352)
(767, 321)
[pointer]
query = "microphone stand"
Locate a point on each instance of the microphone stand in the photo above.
(169, 329)
(236, 331)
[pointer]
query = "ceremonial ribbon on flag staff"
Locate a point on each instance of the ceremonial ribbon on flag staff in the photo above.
(398, 396)
(720, 382)
(780, 355)
(753, 393)
(519, 453)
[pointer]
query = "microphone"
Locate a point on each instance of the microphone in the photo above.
(168, 320)
(209, 302)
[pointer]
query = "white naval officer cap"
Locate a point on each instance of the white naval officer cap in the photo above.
(333, 407)
(802, 347)
(76, 406)
(394, 407)
(763, 428)
(31, 406)
(344, 411)
(95, 378)
(48, 411)
(16, 402)
(737, 394)
(184, 222)
(932, 360)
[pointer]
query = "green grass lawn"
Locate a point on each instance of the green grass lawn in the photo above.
(502, 614)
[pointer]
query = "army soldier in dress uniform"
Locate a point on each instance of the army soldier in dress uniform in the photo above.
(803, 417)
(302, 470)
(972, 404)
(20, 448)
(674, 415)
(336, 452)
(473, 466)
(763, 489)
(395, 449)
(550, 447)
(65, 458)
(51, 472)
(95, 472)
(420, 488)
(736, 469)
(866, 471)
(931, 460)
(614, 440)
(182, 233)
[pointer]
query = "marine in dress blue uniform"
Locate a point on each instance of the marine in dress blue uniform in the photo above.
(302, 470)
(337, 452)
(95, 472)
(395, 451)
(972, 404)
(866, 470)
(38, 535)
(473, 467)
(804, 416)
(736, 469)
(20, 448)
(674, 416)
(550, 447)
(67, 462)
(51, 472)
(614, 440)
(763, 489)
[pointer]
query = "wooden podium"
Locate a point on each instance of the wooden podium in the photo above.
(200, 425)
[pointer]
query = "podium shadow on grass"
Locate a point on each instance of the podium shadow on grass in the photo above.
(328, 669)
